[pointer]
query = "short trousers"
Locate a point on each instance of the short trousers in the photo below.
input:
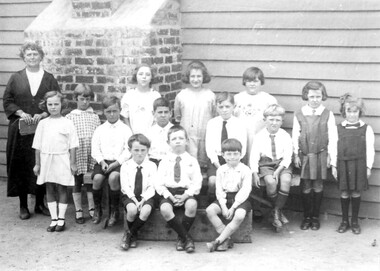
(98, 169)
(175, 191)
(246, 205)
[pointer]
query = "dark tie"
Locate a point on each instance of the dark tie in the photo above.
(138, 183)
(224, 132)
(177, 169)
(273, 144)
(357, 125)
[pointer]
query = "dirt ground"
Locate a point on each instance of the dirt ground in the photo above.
(26, 245)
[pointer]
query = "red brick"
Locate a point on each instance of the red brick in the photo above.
(105, 60)
(168, 59)
(174, 32)
(176, 67)
(73, 52)
(170, 78)
(63, 61)
(84, 61)
(158, 60)
(165, 50)
(84, 79)
(163, 32)
(164, 69)
(67, 78)
(95, 70)
(170, 40)
(176, 85)
(94, 52)
(163, 88)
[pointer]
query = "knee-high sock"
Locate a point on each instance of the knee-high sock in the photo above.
(345, 202)
(77, 198)
(317, 203)
(273, 199)
(62, 207)
(40, 194)
(187, 222)
(178, 227)
(217, 223)
(90, 200)
(52, 206)
(97, 197)
(115, 200)
(355, 209)
(306, 202)
(23, 200)
(137, 224)
(281, 199)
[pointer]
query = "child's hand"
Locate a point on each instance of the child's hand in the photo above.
(368, 172)
(256, 179)
(334, 173)
(112, 166)
(276, 173)
(36, 118)
(174, 200)
(73, 168)
(36, 170)
(230, 213)
(224, 211)
(140, 204)
(182, 198)
(297, 161)
(104, 166)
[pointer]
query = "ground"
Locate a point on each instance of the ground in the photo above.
(26, 245)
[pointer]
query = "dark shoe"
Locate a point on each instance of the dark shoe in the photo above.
(315, 225)
(212, 246)
(133, 243)
(59, 228)
(41, 209)
(283, 218)
(306, 223)
(343, 227)
(52, 228)
(24, 213)
(223, 246)
(180, 244)
(189, 245)
(114, 218)
(276, 219)
(91, 212)
(79, 220)
(125, 242)
(97, 215)
(355, 227)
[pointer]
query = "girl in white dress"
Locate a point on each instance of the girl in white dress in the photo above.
(55, 144)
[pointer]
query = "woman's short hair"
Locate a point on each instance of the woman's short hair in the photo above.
(349, 101)
(83, 89)
(50, 94)
(110, 100)
(136, 70)
(314, 85)
(196, 65)
(224, 96)
(253, 73)
(231, 144)
(274, 110)
(31, 45)
(140, 138)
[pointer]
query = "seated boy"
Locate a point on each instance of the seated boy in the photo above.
(219, 129)
(233, 186)
(137, 187)
(158, 133)
(179, 179)
(109, 148)
(271, 158)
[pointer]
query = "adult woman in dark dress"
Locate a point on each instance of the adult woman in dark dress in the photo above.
(24, 91)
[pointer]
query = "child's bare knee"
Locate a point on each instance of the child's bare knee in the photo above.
(166, 211)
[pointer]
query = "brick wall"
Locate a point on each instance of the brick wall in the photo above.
(105, 57)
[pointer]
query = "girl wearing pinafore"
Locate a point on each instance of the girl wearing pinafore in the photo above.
(354, 159)
(314, 136)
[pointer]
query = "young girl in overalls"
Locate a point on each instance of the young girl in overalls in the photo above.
(314, 136)
(352, 164)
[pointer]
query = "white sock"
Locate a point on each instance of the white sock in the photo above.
(91, 205)
(52, 206)
(61, 213)
(77, 198)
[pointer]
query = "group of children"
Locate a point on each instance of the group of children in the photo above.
(237, 140)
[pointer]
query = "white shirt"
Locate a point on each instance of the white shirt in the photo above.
(127, 178)
(370, 145)
(110, 142)
(158, 137)
(238, 179)
(262, 146)
(191, 177)
(331, 127)
(35, 79)
(235, 129)
(138, 107)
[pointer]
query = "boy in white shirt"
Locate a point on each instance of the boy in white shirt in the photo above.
(271, 159)
(109, 148)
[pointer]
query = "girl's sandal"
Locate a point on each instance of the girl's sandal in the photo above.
(80, 219)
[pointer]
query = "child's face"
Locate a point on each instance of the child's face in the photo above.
(314, 98)
(253, 86)
(178, 142)
(144, 76)
(162, 115)
(196, 78)
(138, 152)
(352, 114)
(54, 106)
(225, 109)
(83, 102)
(112, 113)
(273, 123)
(232, 158)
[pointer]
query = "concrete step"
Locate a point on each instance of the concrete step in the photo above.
(157, 229)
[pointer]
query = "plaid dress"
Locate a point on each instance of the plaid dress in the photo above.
(85, 123)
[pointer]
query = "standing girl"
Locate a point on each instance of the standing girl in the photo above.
(85, 122)
(352, 163)
(137, 103)
(251, 103)
(54, 143)
(314, 138)
(194, 107)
